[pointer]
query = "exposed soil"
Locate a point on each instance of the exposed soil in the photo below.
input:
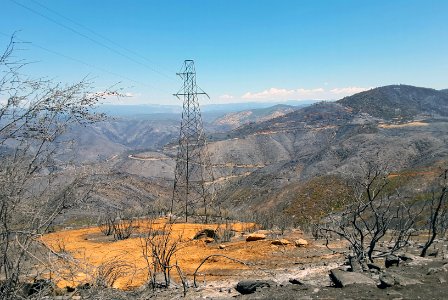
(219, 276)
(91, 249)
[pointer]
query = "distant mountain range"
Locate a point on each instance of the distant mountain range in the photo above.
(159, 111)
(280, 152)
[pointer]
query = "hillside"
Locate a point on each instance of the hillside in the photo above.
(262, 166)
(237, 119)
(399, 102)
(334, 139)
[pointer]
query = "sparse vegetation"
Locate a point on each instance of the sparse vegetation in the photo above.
(33, 119)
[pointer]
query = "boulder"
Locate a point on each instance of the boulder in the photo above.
(301, 243)
(390, 279)
(206, 233)
(343, 279)
(386, 280)
(391, 260)
(255, 237)
(281, 242)
(250, 286)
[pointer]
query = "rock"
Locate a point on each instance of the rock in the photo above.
(343, 279)
(437, 270)
(405, 281)
(206, 233)
(208, 240)
(222, 246)
(282, 242)
(407, 257)
(442, 280)
(390, 279)
(386, 280)
(301, 243)
(391, 260)
(255, 237)
(249, 286)
(433, 253)
(295, 281)
(372, 266)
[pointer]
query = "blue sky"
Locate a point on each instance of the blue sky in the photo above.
(244, 50)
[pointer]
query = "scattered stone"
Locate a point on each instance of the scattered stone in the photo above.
(282, 242)
(343, 279)
(301, 243)
(222, 246)
(391, 260)
(255, 237)
(250, 286)
(442, 280)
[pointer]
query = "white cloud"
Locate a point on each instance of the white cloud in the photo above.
(303, 94)
(226, 97)
(348, 90)
(276, 93)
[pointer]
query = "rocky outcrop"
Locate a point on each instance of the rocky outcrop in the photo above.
(255, 237)
(342, 278)
(301, 243)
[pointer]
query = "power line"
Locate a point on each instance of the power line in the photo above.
(105, 38)
(85, 63)
(89, 38)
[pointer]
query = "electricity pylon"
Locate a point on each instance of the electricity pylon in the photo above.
(193, 178)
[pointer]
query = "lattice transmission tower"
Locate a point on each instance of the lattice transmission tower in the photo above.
(193, 192)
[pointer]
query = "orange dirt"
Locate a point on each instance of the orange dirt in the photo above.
(88, 249)
(409, 124)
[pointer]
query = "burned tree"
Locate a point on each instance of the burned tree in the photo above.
(437, 222)
(34, 115)
(375, 210)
